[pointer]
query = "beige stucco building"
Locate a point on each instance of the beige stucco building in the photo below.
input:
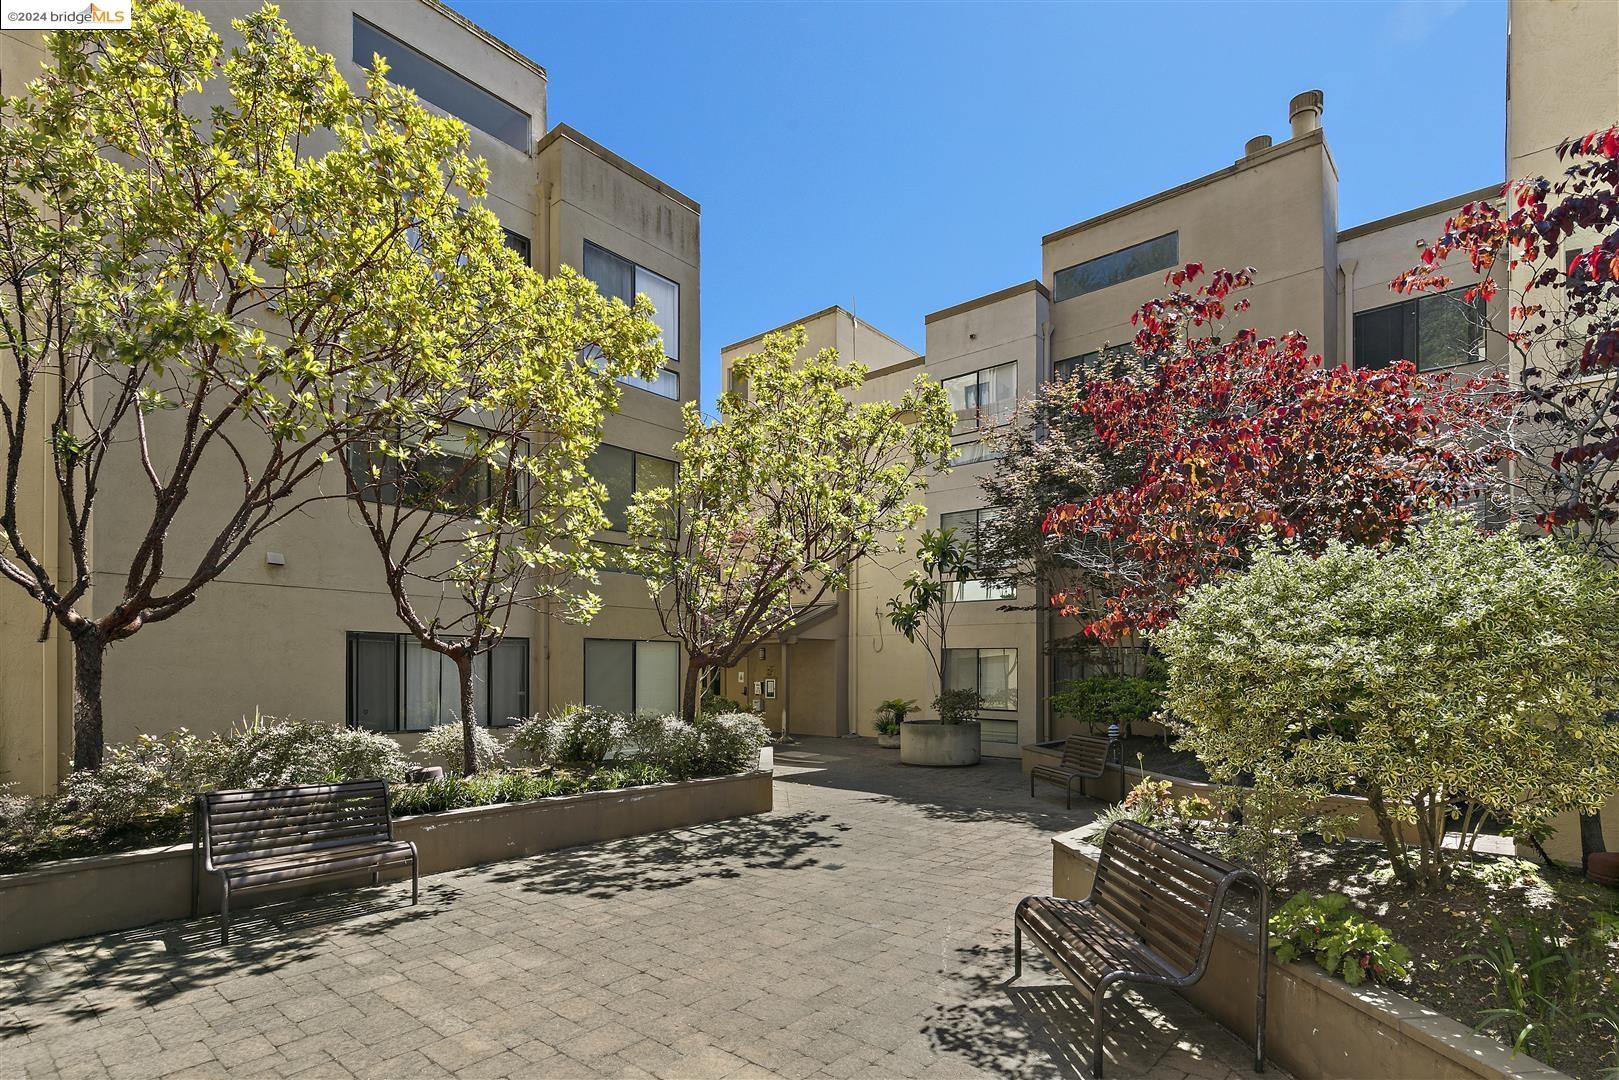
(302, 625)
(1274, 208)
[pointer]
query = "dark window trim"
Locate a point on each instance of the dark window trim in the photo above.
(978, 678)
(350, 690)
(1059, 293)
(365, 63)
(635, 476)
(673, 361)
(1412, 335)
(635, 663)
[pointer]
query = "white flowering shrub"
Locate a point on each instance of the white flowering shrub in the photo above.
(445, 745)
(729, 742)
(667, 742)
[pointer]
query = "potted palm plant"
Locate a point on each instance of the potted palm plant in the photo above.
(922, 614)
(890, 715)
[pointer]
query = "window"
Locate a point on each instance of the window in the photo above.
(1159, 253)
(966, 523)
(1437, 330)
(617, 276)
(436, 83)
(519, 243)
(992, 672)
(624, 472)
(630, 677)
(447, 478)
(1094, 360)
(983, 399)
(396, 685)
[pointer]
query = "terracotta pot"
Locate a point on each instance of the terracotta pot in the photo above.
(1603, 868)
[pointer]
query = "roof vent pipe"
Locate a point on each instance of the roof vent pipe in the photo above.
(1255, 145)
(1305, 112)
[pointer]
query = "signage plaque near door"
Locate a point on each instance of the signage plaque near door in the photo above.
(770, 688)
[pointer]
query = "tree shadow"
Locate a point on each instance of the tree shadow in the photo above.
(993, 790)
(148, 966)
(1041, 1027)
(670, 860)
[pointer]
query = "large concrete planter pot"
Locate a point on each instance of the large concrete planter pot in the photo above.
(936, 744)
(888, 742)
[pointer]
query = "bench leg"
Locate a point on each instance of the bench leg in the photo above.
(1096, 1035)
(1017, 950)
(415, 875)
(224, 911)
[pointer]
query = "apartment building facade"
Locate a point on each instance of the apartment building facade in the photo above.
(1274, 208)
(302, 625)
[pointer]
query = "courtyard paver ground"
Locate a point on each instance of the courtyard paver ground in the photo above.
(861, 929)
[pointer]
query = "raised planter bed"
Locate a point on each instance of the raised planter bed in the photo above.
(1319, 1026)
(77, 897)
(939, 745)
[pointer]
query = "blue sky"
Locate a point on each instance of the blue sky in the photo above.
(899, 158)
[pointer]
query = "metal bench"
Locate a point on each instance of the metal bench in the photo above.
(1150, 918)
(281, 837)
(1084, 757)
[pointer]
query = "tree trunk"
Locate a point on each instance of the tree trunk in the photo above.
(1391, 840)
(89, 649)
(469, 719)
(1591, 840)
(688, 692)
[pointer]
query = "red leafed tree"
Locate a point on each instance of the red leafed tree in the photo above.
(1242, 433)
(1560, 240)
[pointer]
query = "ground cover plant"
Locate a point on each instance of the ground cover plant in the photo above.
(142, 794)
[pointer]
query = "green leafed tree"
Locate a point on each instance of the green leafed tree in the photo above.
(478, 499)
(777, 499)
(211, 263)
(1455, 678)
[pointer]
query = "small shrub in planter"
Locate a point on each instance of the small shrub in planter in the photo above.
(1324, 929)
(574, 734)
(446, 745)
(890, 715)
(730, 742)
(958, 706)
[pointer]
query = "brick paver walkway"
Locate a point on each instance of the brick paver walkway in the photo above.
(861, 929)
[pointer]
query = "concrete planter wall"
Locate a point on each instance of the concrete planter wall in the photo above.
(936, 744)
(1362, 822)
(1319, 1026)
(77, 897)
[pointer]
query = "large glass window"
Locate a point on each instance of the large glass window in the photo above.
(624, 472)
(1159, 253)
(447, 476)
(992, 672)
(983, 399)
(1097, 360)
(436, 83)
(966, 524)
(1435, 330)
(396, 685)
(520, 244)
(632, 676)
(617, 276)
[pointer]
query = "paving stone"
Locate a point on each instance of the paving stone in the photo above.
(861, 929)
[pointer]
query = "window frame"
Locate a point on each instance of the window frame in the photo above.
(671, 360)
(1061, 291)
(399, 640)
(362, 448)
(634, 678)
(973, 425)
(978, 673)
(954, 588)
(1409, 310)
(635, 476)
(412, 55)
